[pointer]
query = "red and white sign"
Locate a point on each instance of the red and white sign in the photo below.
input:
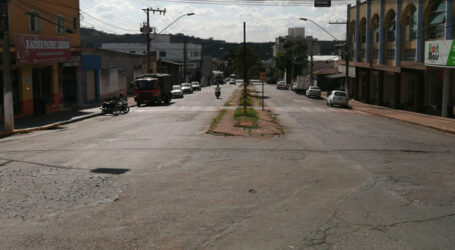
(32, 49)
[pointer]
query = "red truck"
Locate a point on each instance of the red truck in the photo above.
(153, 89)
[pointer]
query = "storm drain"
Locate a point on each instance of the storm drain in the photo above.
(116, 171)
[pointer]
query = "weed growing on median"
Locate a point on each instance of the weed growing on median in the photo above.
(248, 119)
(217, 120)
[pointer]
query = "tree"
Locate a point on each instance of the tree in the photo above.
(252, 61)
(294, 58)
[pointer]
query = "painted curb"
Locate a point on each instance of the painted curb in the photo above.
(49, 126)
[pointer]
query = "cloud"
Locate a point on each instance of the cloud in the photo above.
(224, 22)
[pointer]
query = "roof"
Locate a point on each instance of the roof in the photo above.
(325, 58)
(336, 76)
(329, 71)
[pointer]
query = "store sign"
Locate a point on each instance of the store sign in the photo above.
(440, 53)
(32, 49)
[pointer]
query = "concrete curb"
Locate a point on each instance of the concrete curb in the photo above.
(49, 126)
(407, 121)
(398, 119)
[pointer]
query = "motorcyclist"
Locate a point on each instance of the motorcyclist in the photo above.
(217, 90)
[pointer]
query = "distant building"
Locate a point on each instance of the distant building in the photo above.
(296, 32)
(163, 49)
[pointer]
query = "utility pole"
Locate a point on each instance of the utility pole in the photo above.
(346, 54)
(185, 58)
(7, 86)
(245, 71)
(147, 31)
(311, 62)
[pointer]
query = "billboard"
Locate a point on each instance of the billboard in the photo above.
(440, 53)
(32, 49)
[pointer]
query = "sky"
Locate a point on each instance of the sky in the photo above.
(220, 22)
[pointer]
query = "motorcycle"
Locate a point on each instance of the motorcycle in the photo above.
(115, 105)
(217, 92)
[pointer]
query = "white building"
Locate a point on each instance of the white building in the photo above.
(161, 47)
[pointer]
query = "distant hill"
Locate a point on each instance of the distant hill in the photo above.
(92, 38)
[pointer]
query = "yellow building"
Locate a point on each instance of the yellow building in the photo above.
(45, 55)
(387, 41)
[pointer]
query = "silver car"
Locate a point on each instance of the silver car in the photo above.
(313, 91)
(196, 86)
(177, 91)
(281, 85)
(186, 88)
(338, 97)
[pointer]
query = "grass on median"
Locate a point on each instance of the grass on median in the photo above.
(246, 99)
(217, 120)
(248, 119)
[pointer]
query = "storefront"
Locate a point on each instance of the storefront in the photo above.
(439, 84)
(45, 84)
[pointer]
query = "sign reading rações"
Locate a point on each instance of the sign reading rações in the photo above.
(31, 49)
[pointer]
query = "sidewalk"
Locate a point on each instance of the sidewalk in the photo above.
(429, 121)
(53, 120)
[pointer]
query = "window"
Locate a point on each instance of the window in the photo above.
(390, 27)
(59, 25)
(362, 31)
(35, 21)
(75, 24)
(162, 53)
(390, 54)
(412, 24)
(437, 20)
(410, 54)
(375, 26)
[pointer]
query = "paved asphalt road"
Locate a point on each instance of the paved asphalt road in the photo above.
(152, 179)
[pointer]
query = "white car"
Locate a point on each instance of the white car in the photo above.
(186, 88)
(177, 91)
(313, 91)
(338, 97)
(195, 86)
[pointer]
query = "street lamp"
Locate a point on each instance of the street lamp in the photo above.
(156, 35)
(187, 14)
(346, 52)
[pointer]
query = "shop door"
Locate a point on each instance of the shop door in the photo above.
(69, 81)
(42, 86)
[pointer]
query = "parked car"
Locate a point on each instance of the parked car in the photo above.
(196, 86)
(282, 85)
(271, 80)
(186, 88)
(177, 91)
(232, 82)
(338, 97)
(313, 91)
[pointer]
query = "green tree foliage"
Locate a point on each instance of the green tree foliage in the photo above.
(293, 60)
(235, 65)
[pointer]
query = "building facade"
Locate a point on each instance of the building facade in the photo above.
(162, 48)
(387, 41)
(45, 55)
